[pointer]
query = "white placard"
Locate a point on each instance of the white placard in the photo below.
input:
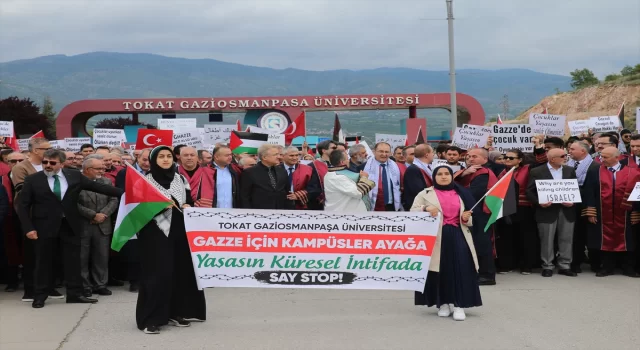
(276, 139)
(471, 136)
(188, 137)
(558, 191)
(635, 194)
(638, 117)
(6, 129)
(23, 144)
(510, 136)
(58, 144)
(74, 143)
(215, 133)
(547, 124)
(602, 124)
(177, 124)
(108, 137)
(438, 162)
(578, 127)
(392, 139)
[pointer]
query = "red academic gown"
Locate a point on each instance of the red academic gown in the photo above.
(321, 168)
(630, 162)
(301, 177)
(403, 168)
(111, 174)
(609, 204)
(202, 185)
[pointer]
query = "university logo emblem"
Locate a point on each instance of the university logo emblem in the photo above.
(274, 121)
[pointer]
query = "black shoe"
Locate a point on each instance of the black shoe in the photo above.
(567, 272)
(133, 287)
(28, 296)
(81, 300)
(152, 330)
(37, 304)
(87, 293)
(483, 281)
(604, 273)
(115, 283)
(103, 291)
(179, 322)
(54, 294)
(525, 271)
(11, 287)
(631, 273)
(576, 269)
(547, 273)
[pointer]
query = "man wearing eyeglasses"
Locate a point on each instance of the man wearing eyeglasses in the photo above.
(554, 219)
(49, 215)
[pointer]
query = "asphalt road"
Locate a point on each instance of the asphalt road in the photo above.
(521, 312)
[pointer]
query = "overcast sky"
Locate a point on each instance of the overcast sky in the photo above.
(553, 36)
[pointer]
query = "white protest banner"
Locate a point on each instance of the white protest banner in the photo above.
(471, 136)
(638, 117)
(602, 124)
(305, 162)
(188, 137)
(177, 124)
(578, 127)
(276, 139)
(108, 137)
(310, 249)
(392, 139)
(635, 194)
(23, 144)
(558, 191)
(510, 136)
(74, 143)
(547, 124)
(58, 144)
(6, 129)
(438, 162)
(214, 133)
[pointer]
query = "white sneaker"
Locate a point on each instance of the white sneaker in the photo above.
(458, 314)
(444, 311)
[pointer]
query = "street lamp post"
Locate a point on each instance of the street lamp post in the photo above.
(452, 69)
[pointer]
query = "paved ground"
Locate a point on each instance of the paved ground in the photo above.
(520, 312)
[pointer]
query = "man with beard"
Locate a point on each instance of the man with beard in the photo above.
(48, 212)
(358, 158)
(479, 179)
(111, 171)
(204, 157)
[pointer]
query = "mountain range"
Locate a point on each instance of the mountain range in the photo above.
(117, 75)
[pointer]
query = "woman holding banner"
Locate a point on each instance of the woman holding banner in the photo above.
(517, 235)
(168, 290)
(452, 281)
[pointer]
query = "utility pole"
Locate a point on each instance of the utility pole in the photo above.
(505, 106)
(452, 69)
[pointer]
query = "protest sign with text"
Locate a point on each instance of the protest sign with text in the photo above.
(108, 137)
(393, 140)
(216, 133)
(638, 119)
(471, 136)
(547, 124)
(602, 124)
(558, 191)
(310, 249)
(439, 162)
(188, 137)
(578, 127)
(510, 136)
(177, 124)
(74, 143)
(635, 194)
(23, 144)
(58, 144)
(6, 129)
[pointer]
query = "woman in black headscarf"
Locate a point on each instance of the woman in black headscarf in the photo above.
(452, 280)
(168, 289)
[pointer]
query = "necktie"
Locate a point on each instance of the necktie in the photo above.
(56, 187)
(272, 177)
(575, 166)
(291, 178)
(385, 183)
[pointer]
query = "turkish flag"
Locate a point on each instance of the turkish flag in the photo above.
(39, 134)
(297, 128)
(149, 138)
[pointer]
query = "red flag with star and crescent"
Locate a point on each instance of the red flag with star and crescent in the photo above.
(149, 138)
(297, 128)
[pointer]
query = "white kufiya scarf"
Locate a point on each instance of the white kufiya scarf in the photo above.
(393, 174)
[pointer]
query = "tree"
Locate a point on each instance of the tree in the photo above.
(612, 77)
(636, 69)
(581, 78)
(48, 111)
(626, 71)
(26, 117)
(119, 123)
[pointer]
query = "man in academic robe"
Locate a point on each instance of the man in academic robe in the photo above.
(606, 140)
(320, 168)
(479, 179)
(111, 171)
(418, 175)
(299, 178)
(633, 159)
(610, 214)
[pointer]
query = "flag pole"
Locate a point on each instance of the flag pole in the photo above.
(491, 189)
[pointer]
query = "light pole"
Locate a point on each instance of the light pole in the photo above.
(452, 69)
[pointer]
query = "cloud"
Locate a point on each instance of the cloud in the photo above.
(545, 35)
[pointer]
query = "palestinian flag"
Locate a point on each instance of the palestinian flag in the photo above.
(621, 115)
(247, 142)
(501, 199)
(140, 202)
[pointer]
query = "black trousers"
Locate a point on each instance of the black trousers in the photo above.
(611, 259)
(580, 242)
(45, 250)
(517, 241)
(484, 247)
(29, 265)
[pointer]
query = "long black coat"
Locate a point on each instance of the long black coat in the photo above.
(256, 191)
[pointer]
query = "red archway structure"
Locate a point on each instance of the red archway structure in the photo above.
(71, 121)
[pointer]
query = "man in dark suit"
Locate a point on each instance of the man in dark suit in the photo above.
(48, 212)
(417, 177)
(554, 218)
(266, 185)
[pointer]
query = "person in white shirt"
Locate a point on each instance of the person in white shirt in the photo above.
(346, 191)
